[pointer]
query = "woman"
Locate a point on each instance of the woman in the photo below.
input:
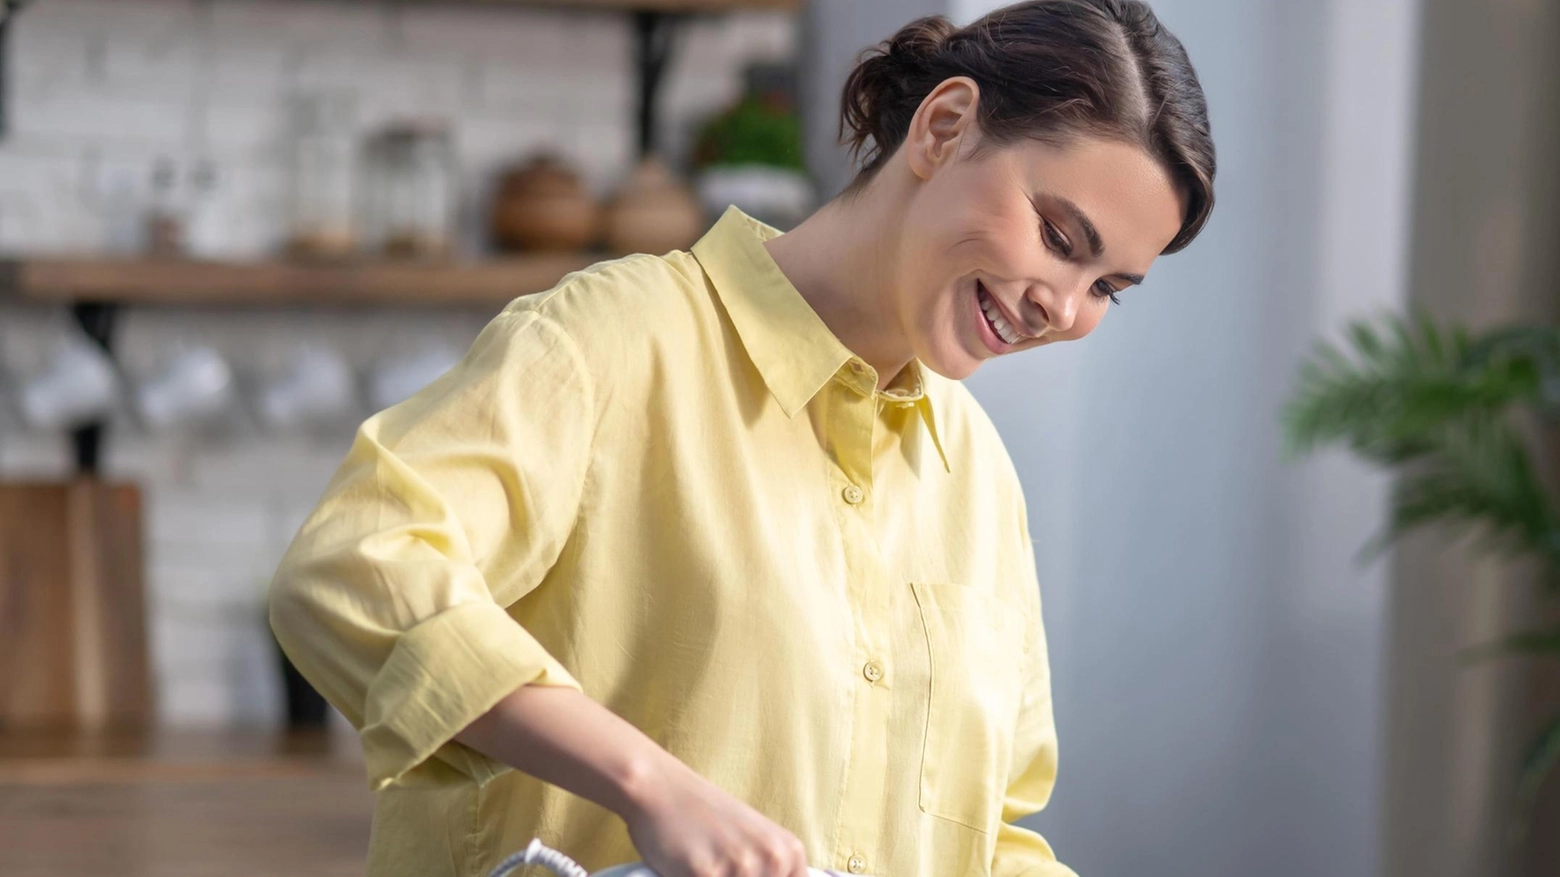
(712, 546)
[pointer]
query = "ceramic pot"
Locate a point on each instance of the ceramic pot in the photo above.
(654, 212)
(544, 206)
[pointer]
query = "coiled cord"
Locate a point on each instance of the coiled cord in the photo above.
(539, 853)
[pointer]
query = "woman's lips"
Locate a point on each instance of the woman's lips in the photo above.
(1019, 329)
(988, 335)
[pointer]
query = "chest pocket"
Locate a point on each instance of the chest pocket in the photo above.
(976, 643)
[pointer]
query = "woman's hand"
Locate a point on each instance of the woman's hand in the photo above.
(685, 826)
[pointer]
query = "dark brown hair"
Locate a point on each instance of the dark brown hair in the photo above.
(1050, 70)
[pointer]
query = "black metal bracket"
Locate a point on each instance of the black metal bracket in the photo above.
(97, 321)
(8, 9)
(654, 33)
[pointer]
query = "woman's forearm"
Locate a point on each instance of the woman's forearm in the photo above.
(562, 736)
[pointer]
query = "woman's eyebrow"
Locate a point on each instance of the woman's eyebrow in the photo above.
(1096, 243)
(1096, 246)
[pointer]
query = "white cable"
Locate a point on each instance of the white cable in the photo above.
(539, 853)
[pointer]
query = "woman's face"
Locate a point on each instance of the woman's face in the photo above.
(1025, 245)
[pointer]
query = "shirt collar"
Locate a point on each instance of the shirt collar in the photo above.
(791, 346)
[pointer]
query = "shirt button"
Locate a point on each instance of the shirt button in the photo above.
(857, 865)
(873, 671)
(856, 367)
(853, 494)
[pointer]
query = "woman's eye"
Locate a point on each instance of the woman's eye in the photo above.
(1055, 239)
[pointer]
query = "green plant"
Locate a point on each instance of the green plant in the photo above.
(753, 131)
(1440, 407)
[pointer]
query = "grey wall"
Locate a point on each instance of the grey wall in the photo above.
(1217, 657)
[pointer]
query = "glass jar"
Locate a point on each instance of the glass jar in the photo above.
(411, 190)
(323, 155)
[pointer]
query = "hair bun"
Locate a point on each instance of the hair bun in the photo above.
(920, 41)
(874, 93)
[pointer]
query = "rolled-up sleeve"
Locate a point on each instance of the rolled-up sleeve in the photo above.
(1023, 852)
(394, 598)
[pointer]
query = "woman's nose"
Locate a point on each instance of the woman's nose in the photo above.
(1058, 305)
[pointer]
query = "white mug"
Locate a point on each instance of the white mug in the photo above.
(77, 386)
(194, 386)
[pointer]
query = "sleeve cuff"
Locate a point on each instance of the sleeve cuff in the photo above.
(441, 676)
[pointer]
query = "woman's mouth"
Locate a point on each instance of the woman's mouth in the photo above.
(999, 335)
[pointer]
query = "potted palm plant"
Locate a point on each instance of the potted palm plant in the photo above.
(1450, 413)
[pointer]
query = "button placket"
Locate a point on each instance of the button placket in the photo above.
(853, 422)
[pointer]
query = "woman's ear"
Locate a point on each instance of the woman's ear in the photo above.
(940, 124)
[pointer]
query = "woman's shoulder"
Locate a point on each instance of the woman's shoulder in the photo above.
(628, 290)
(616, 307)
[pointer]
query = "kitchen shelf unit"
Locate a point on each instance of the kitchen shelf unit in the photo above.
(97, 288)
(172, 281)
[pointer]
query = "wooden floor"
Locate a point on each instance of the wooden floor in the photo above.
(181, 805)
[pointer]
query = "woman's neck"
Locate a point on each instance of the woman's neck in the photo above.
(842, 260)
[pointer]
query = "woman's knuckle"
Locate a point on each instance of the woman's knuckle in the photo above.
(704, 866)
(749, 863)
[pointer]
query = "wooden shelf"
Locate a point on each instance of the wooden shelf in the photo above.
(183, 282)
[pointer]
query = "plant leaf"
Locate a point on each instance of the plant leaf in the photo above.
(1403, 379)
(1479, 477)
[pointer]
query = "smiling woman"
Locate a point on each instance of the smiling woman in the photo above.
(1017, 175)
(707, 558)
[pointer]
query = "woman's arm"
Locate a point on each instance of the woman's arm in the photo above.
(682, 824)
(561, 736)
(1022, 852)
(393, 600)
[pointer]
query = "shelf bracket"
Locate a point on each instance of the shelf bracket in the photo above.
(97, 321)
(653, 37)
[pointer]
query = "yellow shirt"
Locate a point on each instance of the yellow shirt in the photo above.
(665, 482)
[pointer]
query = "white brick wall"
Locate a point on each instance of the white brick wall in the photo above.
(102, 89)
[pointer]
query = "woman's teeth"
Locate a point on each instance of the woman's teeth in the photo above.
(997, 323)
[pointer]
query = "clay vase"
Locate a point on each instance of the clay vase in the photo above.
(544, 206)
(654, 212)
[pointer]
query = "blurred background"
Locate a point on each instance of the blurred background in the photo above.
(232, 229)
